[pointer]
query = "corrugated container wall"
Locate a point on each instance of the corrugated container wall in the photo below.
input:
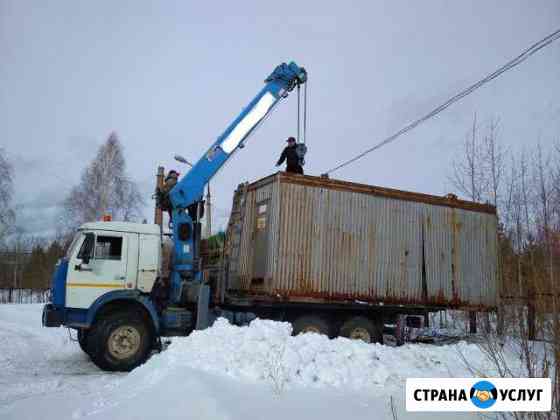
(306, 238)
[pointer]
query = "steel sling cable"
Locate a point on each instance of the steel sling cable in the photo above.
(509, 65)
(305, 112)
(298, 112)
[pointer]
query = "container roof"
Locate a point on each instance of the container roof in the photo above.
(449, 200)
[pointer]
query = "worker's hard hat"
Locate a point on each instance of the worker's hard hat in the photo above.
(291, 139)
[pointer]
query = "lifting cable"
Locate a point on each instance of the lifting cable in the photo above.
(305, 113)
(301, 125)
(298, 112)
(508, 66)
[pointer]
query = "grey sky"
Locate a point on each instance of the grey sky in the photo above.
(169, 76)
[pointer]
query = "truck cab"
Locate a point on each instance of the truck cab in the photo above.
(108, 266)
(109, 256)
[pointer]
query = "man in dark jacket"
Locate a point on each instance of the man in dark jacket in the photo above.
(170, 181)
(163, 192)
(289, 154)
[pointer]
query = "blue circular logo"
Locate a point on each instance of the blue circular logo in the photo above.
(483, 394)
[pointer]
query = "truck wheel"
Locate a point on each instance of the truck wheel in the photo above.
(120, 341)
(310, 324)
(82, 339)
(361, 328)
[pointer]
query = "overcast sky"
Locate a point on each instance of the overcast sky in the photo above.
(168, 76)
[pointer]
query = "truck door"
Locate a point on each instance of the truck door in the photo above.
(148, 261)
(98, 267)
(261, 244)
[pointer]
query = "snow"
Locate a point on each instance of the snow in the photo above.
(225, 372)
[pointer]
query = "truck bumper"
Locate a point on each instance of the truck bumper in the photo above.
(52, 316)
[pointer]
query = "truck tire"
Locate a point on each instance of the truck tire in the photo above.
(311, 323)
(82, 339)
(120, 341)
(362, 328)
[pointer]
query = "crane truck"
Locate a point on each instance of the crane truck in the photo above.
(331, 257)
(106, 288)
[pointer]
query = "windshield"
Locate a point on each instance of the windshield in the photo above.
(73, 245)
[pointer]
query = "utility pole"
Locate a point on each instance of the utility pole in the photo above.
(158, 215)
(208, 213)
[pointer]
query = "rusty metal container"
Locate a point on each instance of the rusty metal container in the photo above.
(308, 239)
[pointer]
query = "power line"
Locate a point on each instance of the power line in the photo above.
(509, 65)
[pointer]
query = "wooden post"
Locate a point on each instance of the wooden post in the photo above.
(208, 214)
(500, 319)
(472, 322)
(531, 318)
(158, 214)
(531, 313)
(487, 324)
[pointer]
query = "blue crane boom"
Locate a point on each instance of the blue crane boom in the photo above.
(186, 196)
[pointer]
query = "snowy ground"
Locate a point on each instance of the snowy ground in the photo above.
(225, 372)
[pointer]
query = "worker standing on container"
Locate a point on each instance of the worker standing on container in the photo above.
(290, 155)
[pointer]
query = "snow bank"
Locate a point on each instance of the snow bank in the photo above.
(265, 351)
(225, 372)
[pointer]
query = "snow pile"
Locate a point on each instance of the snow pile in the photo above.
(265, 351)
(225, 372)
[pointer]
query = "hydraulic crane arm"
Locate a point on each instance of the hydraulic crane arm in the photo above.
(186, 196)
(283, 79)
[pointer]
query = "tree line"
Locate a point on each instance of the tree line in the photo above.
(524, 185)
(26, 260)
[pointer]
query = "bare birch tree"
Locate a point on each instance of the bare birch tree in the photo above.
(493, 162)
(7, 215)
(104, 188)
(467, 172)
(526, 193)
(479, 170)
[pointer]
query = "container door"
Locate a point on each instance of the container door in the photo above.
(260, 243)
